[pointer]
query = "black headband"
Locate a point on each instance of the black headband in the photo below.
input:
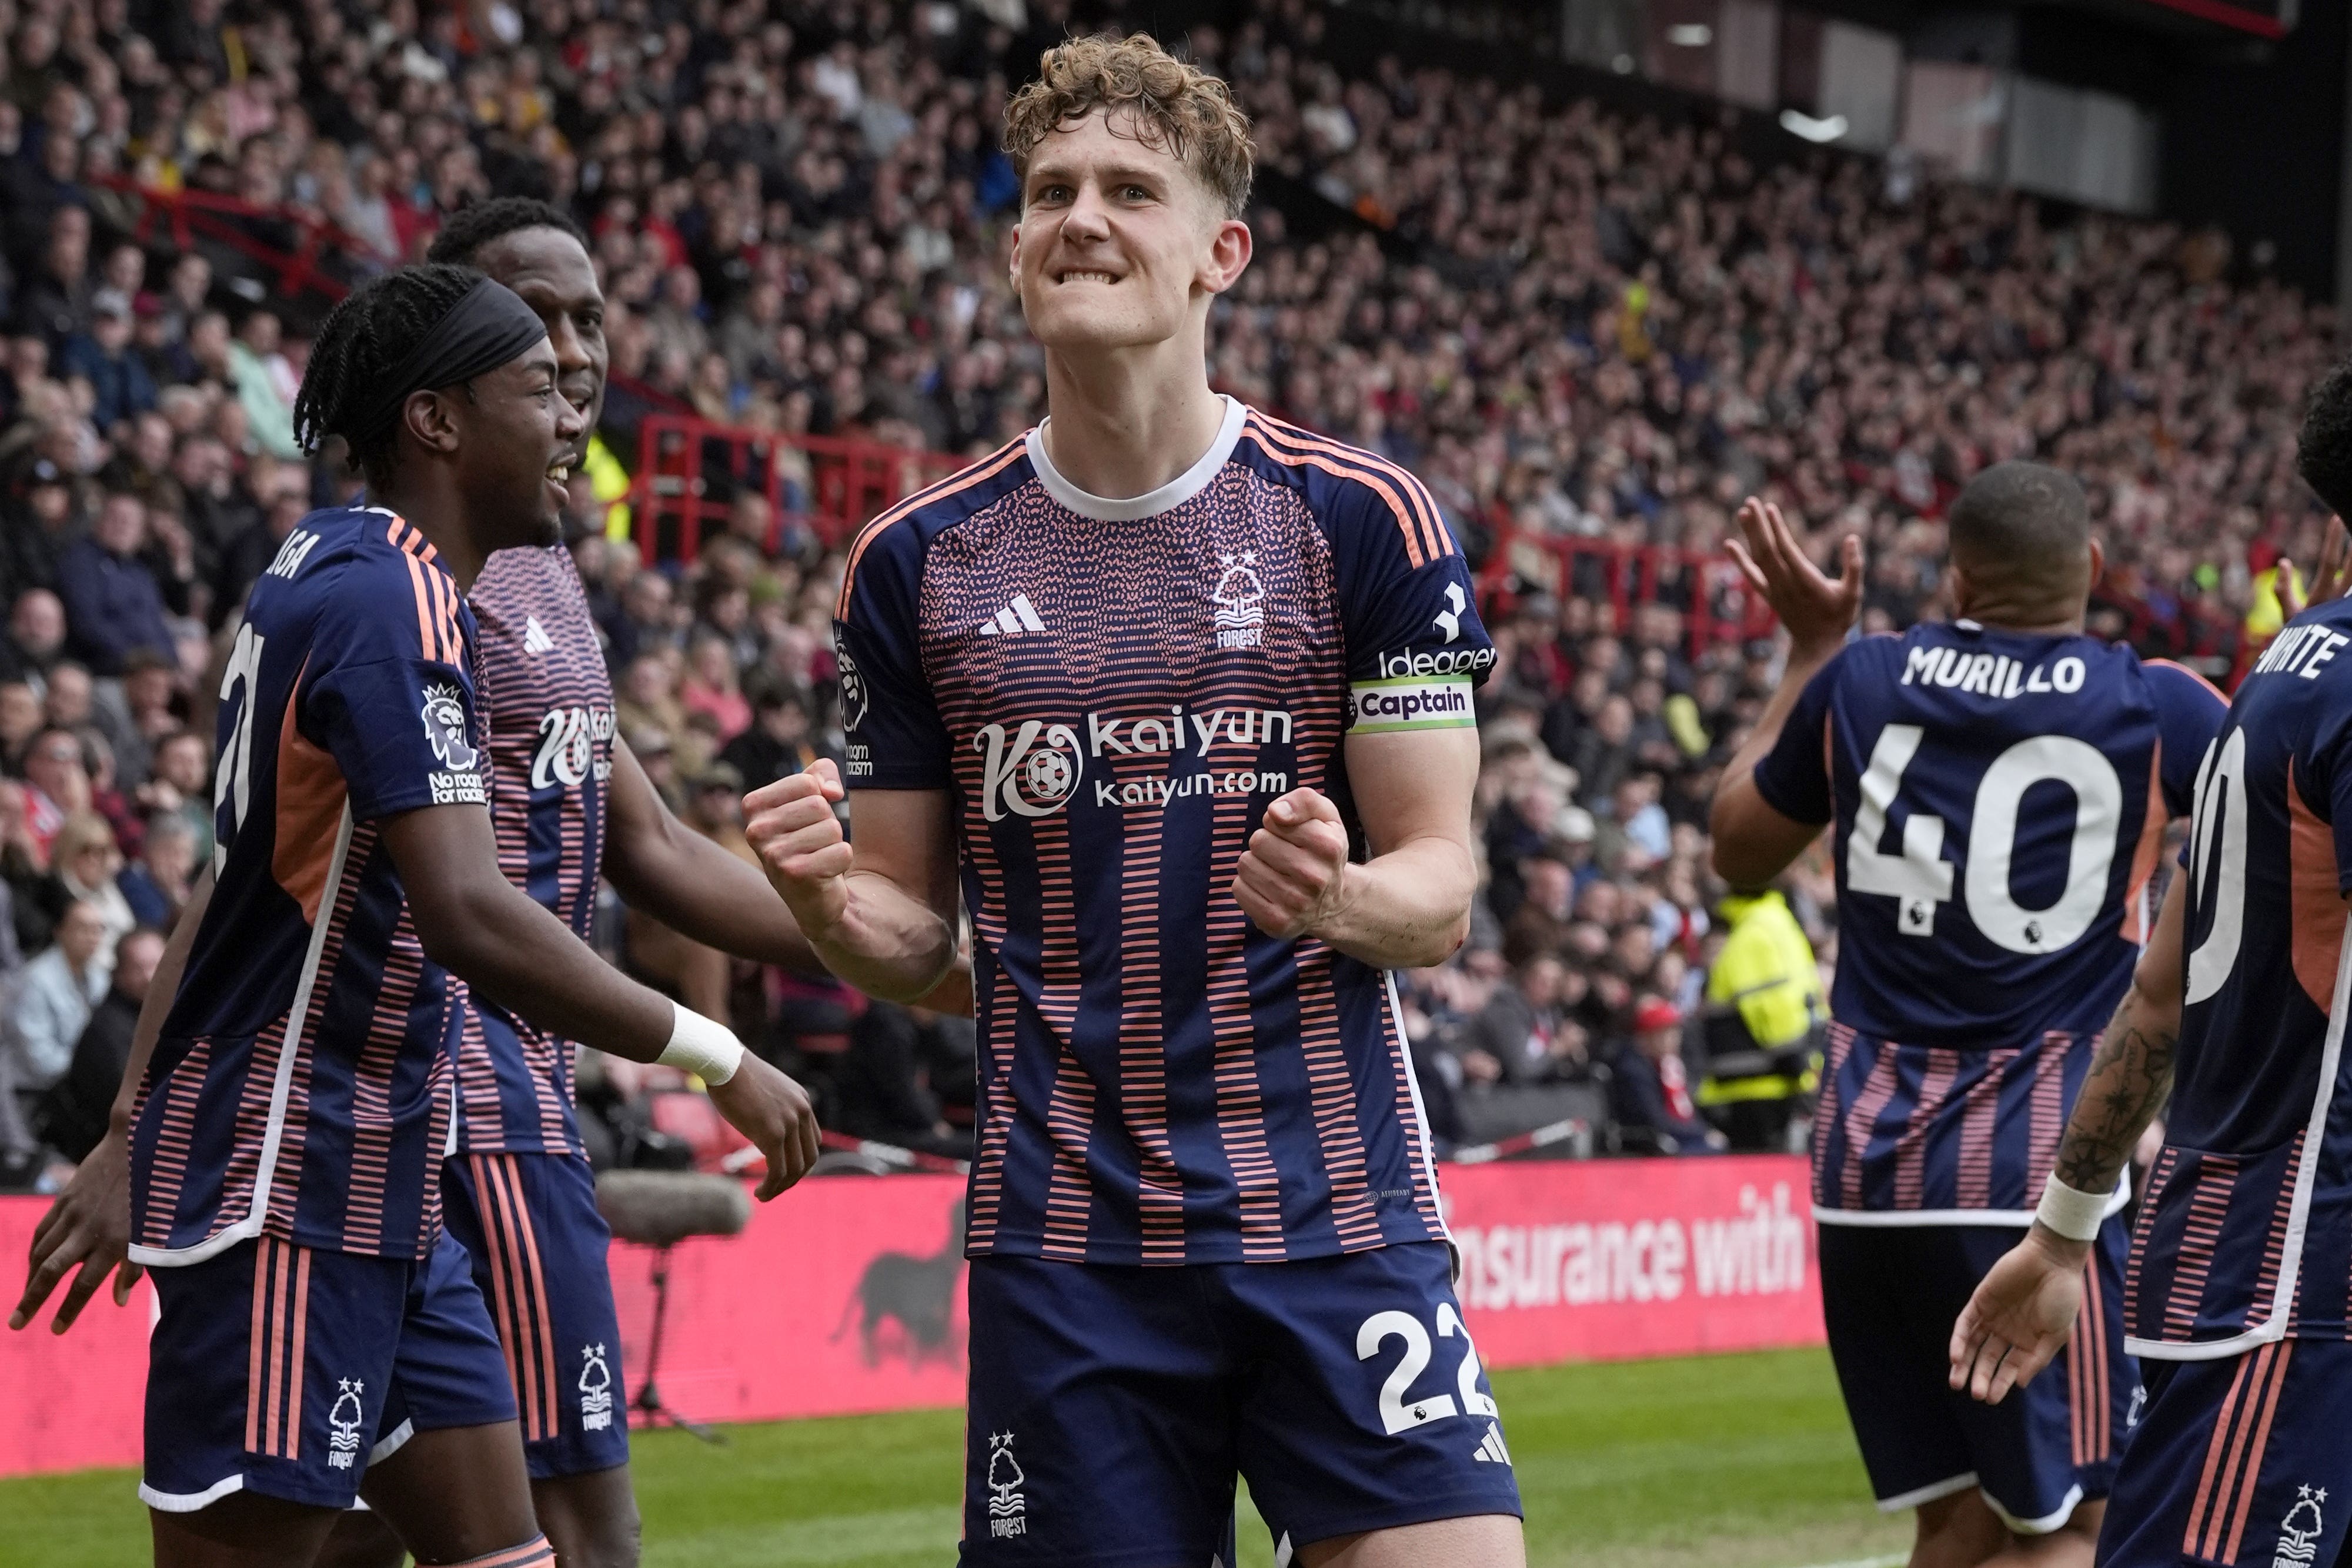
(489, 325)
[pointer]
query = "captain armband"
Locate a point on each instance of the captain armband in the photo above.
(1412, 703)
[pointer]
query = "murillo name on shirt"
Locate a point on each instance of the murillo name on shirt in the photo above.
(1991, 674)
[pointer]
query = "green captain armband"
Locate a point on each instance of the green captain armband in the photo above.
(1389, 708)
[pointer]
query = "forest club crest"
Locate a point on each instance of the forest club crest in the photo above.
(1239, 597)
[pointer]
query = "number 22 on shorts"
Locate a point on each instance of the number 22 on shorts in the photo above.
(1396, 1415)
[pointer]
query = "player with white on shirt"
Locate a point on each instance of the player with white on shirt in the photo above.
(2239, 1294)
(2000, 788)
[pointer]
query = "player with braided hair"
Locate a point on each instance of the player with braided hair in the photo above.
(359, 344)
(569, 803)
(290, 1089)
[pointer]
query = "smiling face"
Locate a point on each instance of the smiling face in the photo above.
(515, 437)
(1120, 245)
(550, 273)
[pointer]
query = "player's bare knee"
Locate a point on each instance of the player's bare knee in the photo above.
(362, 1539)
(604, 1540)
(592, 1518)
(1956, 1531)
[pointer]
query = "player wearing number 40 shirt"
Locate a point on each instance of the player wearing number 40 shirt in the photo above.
(1203, 1221)
(1998, 789)
(2239, 1290)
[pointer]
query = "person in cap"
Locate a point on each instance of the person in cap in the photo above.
(290, 1091)
(1649, 1089)
(120, 382)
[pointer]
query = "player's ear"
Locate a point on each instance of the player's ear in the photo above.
(2098, 565)
(431, 420)
(1228, 255)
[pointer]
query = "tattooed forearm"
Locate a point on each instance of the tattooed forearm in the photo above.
(2131, 1077)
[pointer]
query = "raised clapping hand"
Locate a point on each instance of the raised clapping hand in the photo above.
(1817, 611)
(2018, 1320)
(1291, 877)
(89, 1225)
(793, 829)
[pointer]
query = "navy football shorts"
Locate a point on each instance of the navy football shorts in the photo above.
(285, 1370)
(2246, 1460)
(538, 1245)
(1891, 1295)
(1111, 1407)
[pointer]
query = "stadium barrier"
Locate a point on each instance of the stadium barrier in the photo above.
(846, 1296)
(690, 470)
(1709, 597)
(296, 247)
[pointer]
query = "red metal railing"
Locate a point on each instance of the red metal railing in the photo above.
(1715, 602)
(185, 216)
(829, 485)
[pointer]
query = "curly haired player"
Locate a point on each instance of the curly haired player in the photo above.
(1190, 689)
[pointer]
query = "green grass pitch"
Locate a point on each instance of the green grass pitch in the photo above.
(1733, 1461)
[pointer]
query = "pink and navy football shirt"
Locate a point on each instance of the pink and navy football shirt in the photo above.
(1113, 692)
(549, 704)
(302, 1087)
(2245, 1235)
(2000, 801)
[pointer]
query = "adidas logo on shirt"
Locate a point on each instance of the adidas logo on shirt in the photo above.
(1491, 1451)
(535, 639)
(1013, 620)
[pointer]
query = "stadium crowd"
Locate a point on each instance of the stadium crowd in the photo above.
(1591, 335)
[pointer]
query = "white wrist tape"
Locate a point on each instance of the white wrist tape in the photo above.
(2072, 1214)
(704, 1046)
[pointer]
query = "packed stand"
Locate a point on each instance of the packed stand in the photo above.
(1590, 335)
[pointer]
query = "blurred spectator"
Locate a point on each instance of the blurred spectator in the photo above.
(72, 1116)
(36, 637)
(156, 885)
(54, 997)
(711, 688)
(57, 769)
(121, 384)
(147, 709)
(112, 605)
(653, 751)
(53, 302)
(642, 624)
(779, 742)
(22, 715)
(83, 864)
(1650, 1088)
(265, 384)
(182, 783)
(1522, 1035)
(901, 1065)
(647, 702)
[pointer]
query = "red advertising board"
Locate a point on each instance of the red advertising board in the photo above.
(846, 1295)
(1603, 1260)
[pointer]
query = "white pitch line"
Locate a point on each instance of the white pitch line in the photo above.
(1894, 1560)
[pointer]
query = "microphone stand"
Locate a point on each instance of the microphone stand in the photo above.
(648, 1402)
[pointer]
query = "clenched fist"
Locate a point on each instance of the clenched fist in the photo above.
(1292, 875)
(793, 830)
